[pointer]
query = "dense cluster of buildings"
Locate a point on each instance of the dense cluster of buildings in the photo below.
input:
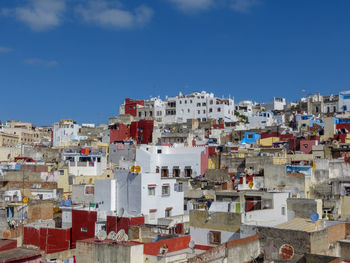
(192, 178)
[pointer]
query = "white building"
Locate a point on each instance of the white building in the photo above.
(245, 107)
(276, 104)
(203, 106)
(344, 101)
(260, 120)
(64, 131)
(231, 220)
(80, 164)
(154, 191)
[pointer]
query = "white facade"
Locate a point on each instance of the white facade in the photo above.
(344, 101)
(152, 157)
(245, 107)
(276, 104)
(203, 106)
(63, 132)
(85, 165)
(272, 216)
(260, 120)
(152, 192)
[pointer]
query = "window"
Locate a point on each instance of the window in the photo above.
(198, 104)
(198, 111)
(83, 229)
(210, 110)
(178, 187)
(159, 151)
(283, 210)
(152, 214)
(168, 212)
(185, 101)
(151, 190)
(250, 136)
(215, 237)
(176, 172)
(204, 104)
(180, 102)
(188, 110)
(165, 190)
(61, 172)
(139, 113)
(219, 109)
(89, 190)
(211, 102)
(203, 111)
(150, 113)
(204, 119)
(190, 101)
(157, 169)
(188, 172)
(164, 172)
(334, 109)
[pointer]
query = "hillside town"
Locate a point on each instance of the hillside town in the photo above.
(189, 178)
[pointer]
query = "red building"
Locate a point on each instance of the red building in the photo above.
(131, 106)
(119, 132)
(83, 225)
(306, 145)
(50, 240)
(6, 244)
(117, 223)
(141, 131)
(173, 244)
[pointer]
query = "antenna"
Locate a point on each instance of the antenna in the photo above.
(191, 245)
(101, 235)
(121, 212)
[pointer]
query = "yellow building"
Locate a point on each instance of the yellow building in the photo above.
(7, 139)
(268, 142)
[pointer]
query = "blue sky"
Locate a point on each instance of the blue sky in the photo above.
(79, 58)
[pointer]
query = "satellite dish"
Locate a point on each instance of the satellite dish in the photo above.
(137, 169)
(112, 235)
(101, 235)
(125, 237)
(314, 217)
(120, 235)
(191, 244)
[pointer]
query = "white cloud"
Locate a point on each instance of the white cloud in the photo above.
(41, 62)
(5, 49)
(243, 6)
(106, 14)
(39, 15)
(192, 5)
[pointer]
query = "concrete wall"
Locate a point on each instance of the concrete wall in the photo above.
(128, 192)
(201, 223)
(303, 207)
(106, 195)
(275, 177)
(243, 250)
(79, 196)
(271, 239)
(95, 252)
